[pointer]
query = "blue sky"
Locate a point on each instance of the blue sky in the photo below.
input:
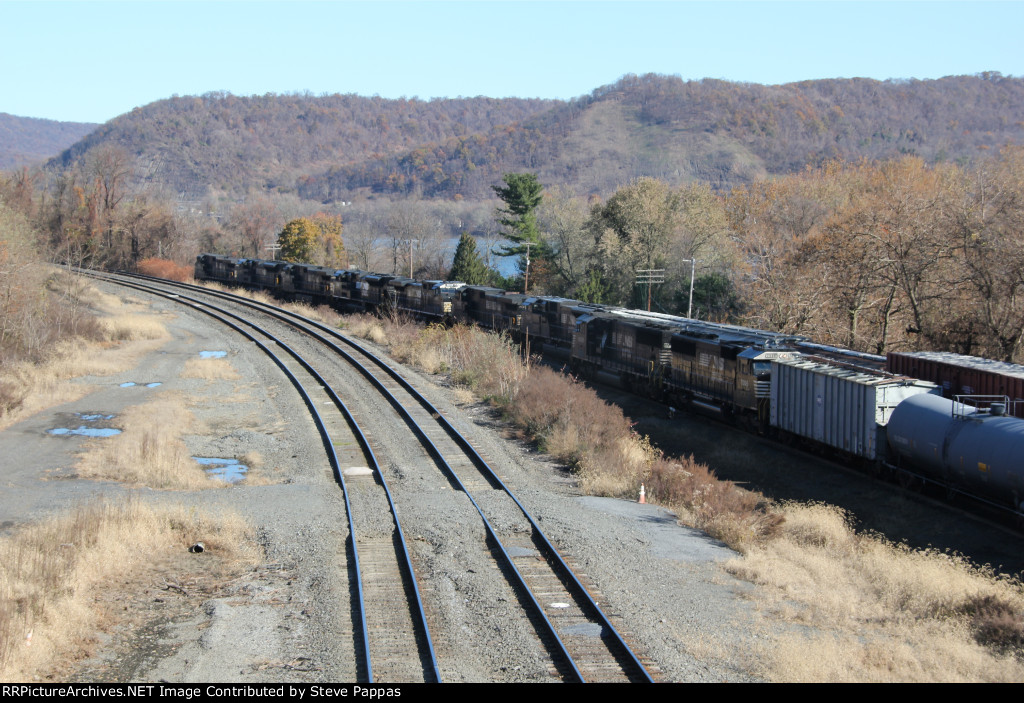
(91, 61)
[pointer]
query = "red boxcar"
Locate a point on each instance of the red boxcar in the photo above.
(957, 374)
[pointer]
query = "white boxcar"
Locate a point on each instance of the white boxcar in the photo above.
(841, 407)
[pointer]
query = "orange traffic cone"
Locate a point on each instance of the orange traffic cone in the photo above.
(643, 494)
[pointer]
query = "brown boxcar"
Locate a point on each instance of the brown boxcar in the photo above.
(957, 374)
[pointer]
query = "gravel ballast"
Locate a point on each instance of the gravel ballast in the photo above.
(290, 619)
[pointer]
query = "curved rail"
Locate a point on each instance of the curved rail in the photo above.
(633, 668)
(332, 457)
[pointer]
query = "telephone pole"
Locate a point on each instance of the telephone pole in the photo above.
(650, 277)
(526, 281)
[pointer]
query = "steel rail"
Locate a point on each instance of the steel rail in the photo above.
(433, 450)
(563, 569)
(332, 457)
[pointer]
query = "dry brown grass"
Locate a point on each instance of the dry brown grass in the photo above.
(51, 573)
(321, 313)
(131, 327)
(256, 295)
(489, 364)
(367, 327)
(569, 421)
(149, 451)
(878, 611)
(124, 332)
(210, 370)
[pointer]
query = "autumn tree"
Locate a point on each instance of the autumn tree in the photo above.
(771, 220)
(642, 217)
(330, 248)
(297, 240)
(562, 224)
(902, 215)
(313, 240)
(988, 225)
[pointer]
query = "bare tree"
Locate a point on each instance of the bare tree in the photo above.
(255, 220)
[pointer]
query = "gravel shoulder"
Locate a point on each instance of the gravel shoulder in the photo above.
(289, 618)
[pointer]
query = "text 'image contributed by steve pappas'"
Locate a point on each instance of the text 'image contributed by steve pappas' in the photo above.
(188, 692)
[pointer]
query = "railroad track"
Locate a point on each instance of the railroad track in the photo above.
(578, 637)
(392, 636)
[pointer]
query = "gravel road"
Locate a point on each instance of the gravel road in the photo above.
(290, 619)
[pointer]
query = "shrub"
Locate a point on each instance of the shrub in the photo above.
(163, 268)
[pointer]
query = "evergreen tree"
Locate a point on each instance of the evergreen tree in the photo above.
(521, 195)
(468, 267)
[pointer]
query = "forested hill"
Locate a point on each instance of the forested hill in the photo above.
(711, 130)
(337, 147)
(237, 143)
(25, 141)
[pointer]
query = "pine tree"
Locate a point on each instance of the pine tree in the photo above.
(468, 267)
(522, 194)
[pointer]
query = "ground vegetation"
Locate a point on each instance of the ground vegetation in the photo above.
(53, 574)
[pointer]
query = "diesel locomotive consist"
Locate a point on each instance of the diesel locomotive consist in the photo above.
(865, 408)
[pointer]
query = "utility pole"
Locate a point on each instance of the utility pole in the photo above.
(526, 281)
(650, 277)
(410, 255)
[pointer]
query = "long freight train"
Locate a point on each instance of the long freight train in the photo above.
(916, 414)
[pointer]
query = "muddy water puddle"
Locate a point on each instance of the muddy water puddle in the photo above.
(229, 470)
(84, 424)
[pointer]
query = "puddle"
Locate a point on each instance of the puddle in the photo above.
(128, 384)
(84, 431)
(212, 354)
(223, 469)
(88, 425)
(154, 384)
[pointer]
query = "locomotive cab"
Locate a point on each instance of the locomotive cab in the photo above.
(754, 379)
